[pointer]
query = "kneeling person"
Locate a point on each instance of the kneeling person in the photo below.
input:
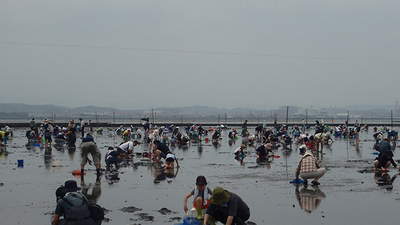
(227, 207)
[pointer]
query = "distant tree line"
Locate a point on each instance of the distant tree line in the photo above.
(14, 115)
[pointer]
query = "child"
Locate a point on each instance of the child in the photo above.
(112, 157)
(201, 195)
(169, 161)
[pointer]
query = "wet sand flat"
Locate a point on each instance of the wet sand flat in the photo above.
(144, 196)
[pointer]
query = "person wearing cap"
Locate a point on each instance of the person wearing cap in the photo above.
(201, 194)
(384, 160)
(170, 158)
(263, 151)
(309, 167)
(70, 197)
(126, 135)
(227, 207)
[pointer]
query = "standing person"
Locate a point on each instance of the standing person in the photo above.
(201, 194)
(309, 167)
(244, 125)
(48, 131)
(82, 127)
(227, 207)
(90, 126)
(72, 206)
(89, 146)
(32, 124)
(71, 136)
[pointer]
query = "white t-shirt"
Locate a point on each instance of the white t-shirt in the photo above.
(127, 145)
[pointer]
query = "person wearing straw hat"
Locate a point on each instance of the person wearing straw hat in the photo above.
(263, 152)
(48, 131)
(227, 207)
(72, 206)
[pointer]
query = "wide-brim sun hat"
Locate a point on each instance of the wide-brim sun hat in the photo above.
(71, 186)
(220, 196)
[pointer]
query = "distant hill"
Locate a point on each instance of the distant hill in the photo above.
(361, 110)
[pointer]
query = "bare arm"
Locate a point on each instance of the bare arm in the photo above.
(56, 218)
(206, 218)
(185, 201)
(229, 220)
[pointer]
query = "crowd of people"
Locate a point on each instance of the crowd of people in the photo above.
(210, 205)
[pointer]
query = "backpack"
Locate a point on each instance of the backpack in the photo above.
(85, 211)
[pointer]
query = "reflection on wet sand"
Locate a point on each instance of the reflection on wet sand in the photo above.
(94, 195)
(309, 199)
(384, 180)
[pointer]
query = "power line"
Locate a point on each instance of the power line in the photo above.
(203, 52)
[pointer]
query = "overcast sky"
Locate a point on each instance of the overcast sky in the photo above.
(225, 54)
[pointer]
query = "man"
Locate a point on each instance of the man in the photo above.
(48, 131)
(72, 206)
(127, 148)
(263, 152)
(216, 136)
(227, 207)
(71, 137)
(32, 123)
(320, 140)
(82, 127)
(89, 146)
(309, 167)
(160, 150)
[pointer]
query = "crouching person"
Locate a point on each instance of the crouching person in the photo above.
(73, 206)
(227, 207)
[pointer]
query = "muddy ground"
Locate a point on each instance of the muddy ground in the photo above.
(348, 194)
